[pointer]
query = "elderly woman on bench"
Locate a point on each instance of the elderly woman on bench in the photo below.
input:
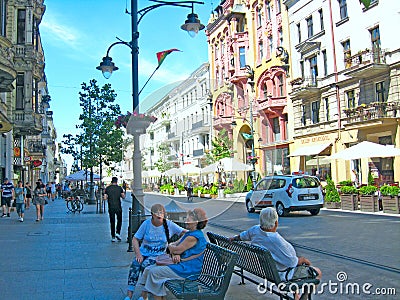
(187, 255)
(289, 265)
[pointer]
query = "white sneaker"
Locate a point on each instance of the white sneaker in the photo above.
(118, 237)
(113, 240)
(21, 219)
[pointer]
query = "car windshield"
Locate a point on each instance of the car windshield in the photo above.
(305, 182)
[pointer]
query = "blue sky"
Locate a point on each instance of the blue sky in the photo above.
(76, 34)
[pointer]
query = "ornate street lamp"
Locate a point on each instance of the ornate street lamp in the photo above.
(192, 26)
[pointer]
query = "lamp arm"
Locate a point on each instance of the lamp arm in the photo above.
(188, 4)
(117, 43)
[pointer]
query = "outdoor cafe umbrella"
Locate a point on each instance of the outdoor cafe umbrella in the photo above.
(151, 173)
(227, 164)
(174, 172)
(190, 169)
(367, 149)
(82, 175)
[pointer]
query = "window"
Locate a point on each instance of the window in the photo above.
(376, 44)
(321, 19)
(3, 17)
(216, 51)
(347, 53)
(259, 17)
(270, 45)
(351, 99)
(276, 129)
(343, 9)
(280, 86)
(19, 101)
(298, 32)
(380, 92)
(278, 6)
(303, 114)
(240, 25)
(315, 112)
(268, 10)
(260, 50)
(302, 69)
(310, 27)
(313, 70)
(264, 91)
(242, 57)
(21, 26)
(325, 58)
(280, 36)
(326, 101)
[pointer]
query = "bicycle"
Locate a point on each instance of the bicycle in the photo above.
(74, 204)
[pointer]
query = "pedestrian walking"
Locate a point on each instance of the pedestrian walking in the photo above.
(7, 194)
(53, 190)
(39, 199)
(113, 194)
(28, 194)
(20, 200)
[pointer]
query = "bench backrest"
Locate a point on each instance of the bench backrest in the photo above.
(217, 262)
(251, 258)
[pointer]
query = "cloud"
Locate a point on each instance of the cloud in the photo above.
(60, 34)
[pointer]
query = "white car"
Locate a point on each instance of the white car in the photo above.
(286, 193)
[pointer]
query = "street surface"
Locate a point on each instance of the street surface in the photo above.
(70, 256)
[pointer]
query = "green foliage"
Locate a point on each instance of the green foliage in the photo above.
(214, 190)
(332, 195)
(346, 183)
(169, 188)
(387, 190)
(238, 186)
(249, 185)
(371, 180)
(366, 3)
(367, 190)
(348, 190)
(221, 147)
(163, 164)
(228, 190)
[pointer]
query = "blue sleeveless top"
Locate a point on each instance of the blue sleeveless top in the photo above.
(192, 266)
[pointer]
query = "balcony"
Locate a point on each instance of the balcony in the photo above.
(28, 52)
(305, 87)
(366, 64)
(27, 122)
(368, 113)
(223, 122)
(198, 152)
(200, 127)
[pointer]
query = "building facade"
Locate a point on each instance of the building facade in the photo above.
(345, 85)
(28, 135)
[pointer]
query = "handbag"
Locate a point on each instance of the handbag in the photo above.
(164, 260)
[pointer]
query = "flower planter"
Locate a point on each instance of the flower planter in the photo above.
(332, 205)
(390, 204)
(136, 126)
(349, 201)
(213, 196)
(369, 203)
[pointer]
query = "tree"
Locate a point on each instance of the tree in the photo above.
(221, 147)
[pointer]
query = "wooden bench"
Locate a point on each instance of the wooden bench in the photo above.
(213, 282)
(258, 261)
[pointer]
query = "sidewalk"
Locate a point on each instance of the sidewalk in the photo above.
(69, 256)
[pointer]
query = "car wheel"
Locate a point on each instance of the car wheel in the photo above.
(249, 206)
(314, 211)
(281, 210)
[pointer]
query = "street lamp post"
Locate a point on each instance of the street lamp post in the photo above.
(192, 26)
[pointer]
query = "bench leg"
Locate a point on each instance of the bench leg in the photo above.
(242, 278)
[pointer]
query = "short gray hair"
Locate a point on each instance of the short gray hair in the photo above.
(268, 217)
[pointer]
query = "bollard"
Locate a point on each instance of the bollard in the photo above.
(130, 231)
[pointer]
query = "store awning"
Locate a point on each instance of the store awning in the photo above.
(310, 150)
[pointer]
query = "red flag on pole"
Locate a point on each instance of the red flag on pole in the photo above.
(163, 54)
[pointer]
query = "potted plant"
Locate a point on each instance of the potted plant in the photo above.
(368, 198)
(390, 199)
(349, 197)
(332, 197)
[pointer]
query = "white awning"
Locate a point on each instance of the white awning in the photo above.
(310, 150)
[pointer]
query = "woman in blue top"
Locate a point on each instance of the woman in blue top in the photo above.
(153, 237)
(187, 253)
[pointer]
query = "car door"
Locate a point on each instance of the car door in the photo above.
(259, 191)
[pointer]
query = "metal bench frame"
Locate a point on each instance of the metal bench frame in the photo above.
(259, 262)
(213, 282)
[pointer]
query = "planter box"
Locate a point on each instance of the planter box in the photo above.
(332, 205)
(369, 203)
(349, 202)
(390, 204)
